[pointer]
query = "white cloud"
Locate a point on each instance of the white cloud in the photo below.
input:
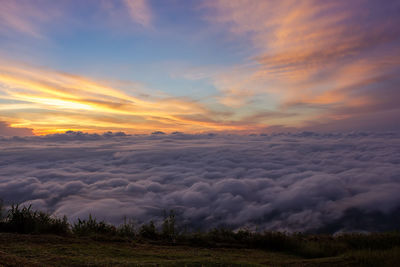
(295, 182)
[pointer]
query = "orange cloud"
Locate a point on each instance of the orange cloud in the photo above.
(49, 101)
(325, 56)
(6, 130)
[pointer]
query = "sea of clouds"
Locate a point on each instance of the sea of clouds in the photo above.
(289, 182)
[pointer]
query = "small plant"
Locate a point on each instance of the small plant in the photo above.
(371, 249)
(168, 226)
(127, 229)
(25, 221)
(92, 227)
(1, 210)
(149, 231)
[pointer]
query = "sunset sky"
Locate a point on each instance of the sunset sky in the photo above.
(199, 66)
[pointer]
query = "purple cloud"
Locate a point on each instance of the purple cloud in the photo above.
(6, 130)
(295, 182)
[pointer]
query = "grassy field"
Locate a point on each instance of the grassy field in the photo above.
(50, 250)
(34, 238)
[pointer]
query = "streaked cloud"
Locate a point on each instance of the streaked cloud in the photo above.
(292, 64)
(140, 11)
(319, 54)
(25, 17)
(51, 101)
(37, 18)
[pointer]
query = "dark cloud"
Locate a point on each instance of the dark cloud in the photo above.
(382, 120)
(296, 182)
(6, 130)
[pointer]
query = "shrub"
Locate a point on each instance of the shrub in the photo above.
(92, 227)
(1, 210)
(149, 231)
(25, 221)
(364, 248)
(168, 226)
(127, 229)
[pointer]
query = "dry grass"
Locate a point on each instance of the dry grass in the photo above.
(48, 250)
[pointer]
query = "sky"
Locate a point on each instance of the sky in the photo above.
(232, 66)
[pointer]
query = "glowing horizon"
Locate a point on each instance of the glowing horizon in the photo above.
(140, 66)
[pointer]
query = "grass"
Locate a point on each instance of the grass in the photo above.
(50, 250)
(34, 238)
(368, 257)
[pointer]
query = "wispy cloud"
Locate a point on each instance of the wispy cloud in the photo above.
(25, 17)
(48, 100)
(309, 62)
(35, 18)
(316, 53)
(140, 11)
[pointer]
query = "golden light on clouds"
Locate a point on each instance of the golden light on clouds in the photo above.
(323, 57)
(223, 65)
(50, 101)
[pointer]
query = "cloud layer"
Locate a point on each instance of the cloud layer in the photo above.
(295, 182)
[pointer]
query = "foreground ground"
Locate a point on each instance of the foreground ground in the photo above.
(47, 250)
